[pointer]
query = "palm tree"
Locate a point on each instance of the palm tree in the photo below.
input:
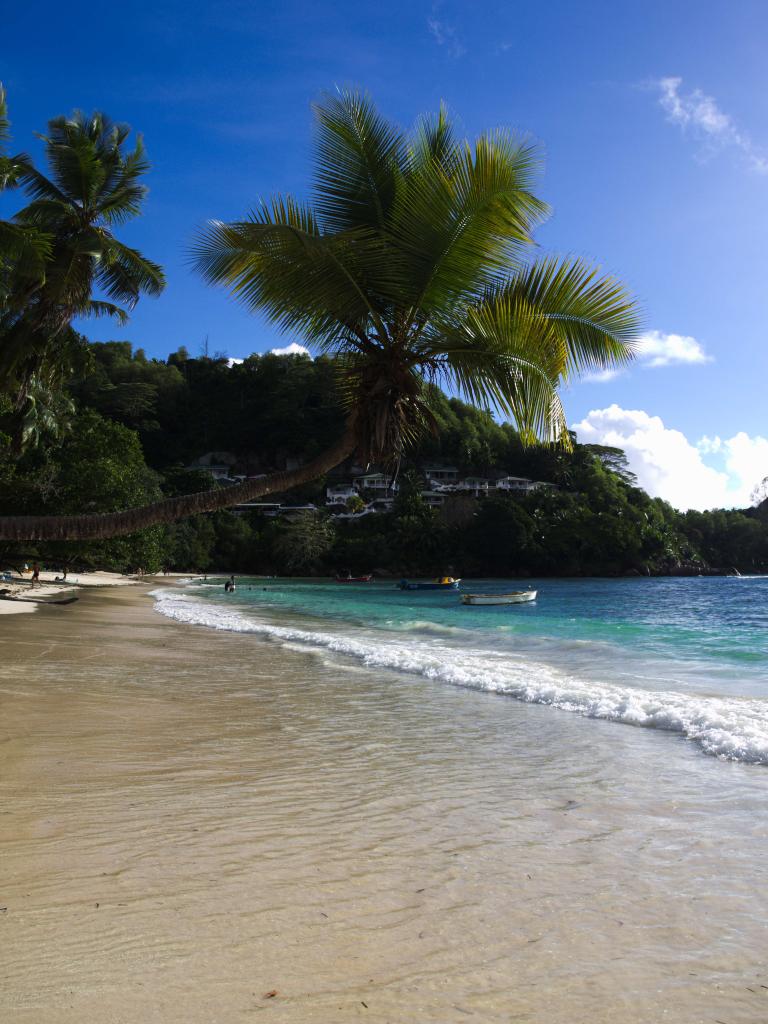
(94, 186)
(411, 268)
(23, 250)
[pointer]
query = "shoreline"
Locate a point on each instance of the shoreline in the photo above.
(21, 595)
(196, 819)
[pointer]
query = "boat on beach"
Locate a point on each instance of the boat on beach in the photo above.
(513, 597)
(444, 583)
(354, 579)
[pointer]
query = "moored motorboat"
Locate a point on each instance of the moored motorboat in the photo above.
(354, 579)
(444, 583)
(514, 597)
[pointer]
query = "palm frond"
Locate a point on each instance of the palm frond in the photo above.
(461, 230)
(38, 186)
(434, 142)
(281, 264)
(122, 204)
(77, 169)
(25, 251)
(359, 155)
(98, 308)
(10, 166)
(123, 168)
(592, 317)
(500, 355)
(121, 195)
(125, 273)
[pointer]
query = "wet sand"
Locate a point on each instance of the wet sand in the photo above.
(191, 821)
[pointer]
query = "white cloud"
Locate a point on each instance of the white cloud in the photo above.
(710, 445)
(443, 33)
(658, 349)
(601, 376)
(698, 113)
(291, 350)
(745, 459)
(669, 466)
(234, 362)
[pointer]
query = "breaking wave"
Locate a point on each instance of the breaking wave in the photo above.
(731, 728)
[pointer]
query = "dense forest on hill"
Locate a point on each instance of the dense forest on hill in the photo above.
(126, 428)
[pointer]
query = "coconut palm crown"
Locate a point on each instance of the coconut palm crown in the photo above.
(94, 186)
(23, 250)
(412, 265)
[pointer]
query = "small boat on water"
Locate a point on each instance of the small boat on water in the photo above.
(514, 597)
(354, 579)
(444, 583)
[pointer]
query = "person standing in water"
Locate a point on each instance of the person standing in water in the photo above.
(229, 586)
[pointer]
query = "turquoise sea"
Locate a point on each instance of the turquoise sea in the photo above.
(688, 656)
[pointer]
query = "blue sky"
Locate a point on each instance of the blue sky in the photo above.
(654, 122)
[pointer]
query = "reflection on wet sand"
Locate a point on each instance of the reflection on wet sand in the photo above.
(191, 821)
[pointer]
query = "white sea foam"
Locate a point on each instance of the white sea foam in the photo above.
(425, 626)
(732, 728)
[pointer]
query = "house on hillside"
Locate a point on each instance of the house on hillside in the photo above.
(476, 485)
(339, 494)
(441, 476)
(521, 485)
(380, 484)
(515, 484)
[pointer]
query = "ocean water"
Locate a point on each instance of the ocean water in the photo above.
(685, 656)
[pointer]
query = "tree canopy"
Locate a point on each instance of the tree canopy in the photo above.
(118, 452)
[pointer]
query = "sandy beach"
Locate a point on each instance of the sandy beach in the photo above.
(201, 826)
(21, 595)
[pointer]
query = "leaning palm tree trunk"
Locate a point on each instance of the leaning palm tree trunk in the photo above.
(100, 526)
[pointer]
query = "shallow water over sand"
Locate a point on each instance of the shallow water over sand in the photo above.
(686, 656)
(191, 819)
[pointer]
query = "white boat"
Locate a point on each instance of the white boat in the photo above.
(514, 597)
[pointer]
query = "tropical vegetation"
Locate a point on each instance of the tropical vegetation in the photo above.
(409, 275)
(136, 427)
(410, 268)
(93, 186)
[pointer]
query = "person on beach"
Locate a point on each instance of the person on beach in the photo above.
(35, 573)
